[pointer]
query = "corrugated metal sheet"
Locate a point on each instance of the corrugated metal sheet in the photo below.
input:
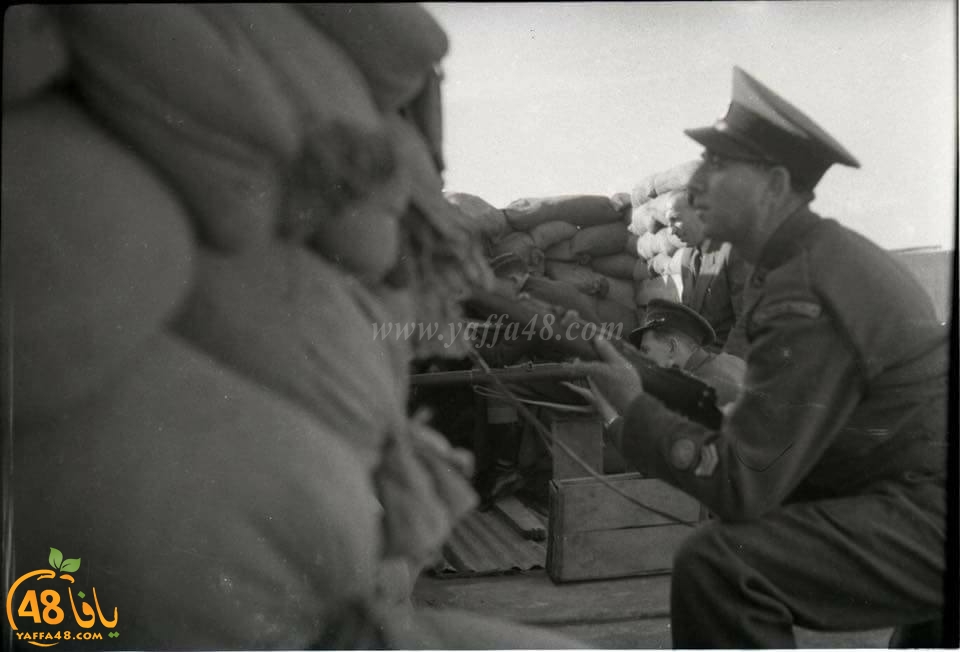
(484, 543)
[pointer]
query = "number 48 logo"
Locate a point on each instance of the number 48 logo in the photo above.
(43, 605)
(50, 599)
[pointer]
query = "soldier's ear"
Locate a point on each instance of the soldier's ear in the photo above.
(779, 180)
(673, 345)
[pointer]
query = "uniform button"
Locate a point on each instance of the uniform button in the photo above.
(682, 454)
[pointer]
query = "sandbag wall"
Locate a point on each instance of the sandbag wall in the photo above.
(201, 411)
(603, 257)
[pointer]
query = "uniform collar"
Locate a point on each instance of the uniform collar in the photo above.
(696, 360)
(787, 240)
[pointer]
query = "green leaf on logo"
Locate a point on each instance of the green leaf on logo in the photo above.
(56, 558)
(70, 565)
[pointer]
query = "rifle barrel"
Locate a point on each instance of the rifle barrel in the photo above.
(546, 371)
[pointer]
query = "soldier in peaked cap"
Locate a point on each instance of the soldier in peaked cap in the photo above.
(827, 477)
(674, 335)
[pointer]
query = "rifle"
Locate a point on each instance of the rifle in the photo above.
(677, 389)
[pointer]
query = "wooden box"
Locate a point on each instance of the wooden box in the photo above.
(595, 533)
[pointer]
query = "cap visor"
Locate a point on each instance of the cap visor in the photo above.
(721, 143)
(636, 335)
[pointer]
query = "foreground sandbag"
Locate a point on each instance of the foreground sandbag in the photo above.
(581, 210)
(394, 44)
(295, 324)
(662, 182)
(225, 133)
(231, 502)
(344, 197)
(299, 326)
(34, 54)
(97, 253)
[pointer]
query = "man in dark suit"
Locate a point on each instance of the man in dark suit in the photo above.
(714, 277)
(828, 476)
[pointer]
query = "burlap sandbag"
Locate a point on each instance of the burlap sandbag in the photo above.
(667, 241)
(563, 252)
(210, 512)
(345, 195)
(97, 253)
(550, 233)
(580, 277)
(581, 210)
(615, 265)
(648, 245)
(616, 313)
(622, 202)
(641, 270)
(621, 291)
(295, 324)
(225, 133)
(631, 246)
(643, 218)
(34, 54)
(602, 240)
(560, 294)
(394, 44)
(486, 220)
(517, 243)
(660, 265)
(665, 181)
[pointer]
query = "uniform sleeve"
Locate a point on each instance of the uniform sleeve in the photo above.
(802, 385)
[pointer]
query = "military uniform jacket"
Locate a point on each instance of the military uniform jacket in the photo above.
(722, 371)
(715, 290)
(845, 385)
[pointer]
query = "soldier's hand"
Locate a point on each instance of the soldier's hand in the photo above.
(615, 379)
(606, 411)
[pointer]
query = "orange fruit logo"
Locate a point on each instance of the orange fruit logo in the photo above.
(41, 617)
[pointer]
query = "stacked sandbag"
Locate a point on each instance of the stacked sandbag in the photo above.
(195, 366)
(653, 201)
(585, 249)
(600, 256)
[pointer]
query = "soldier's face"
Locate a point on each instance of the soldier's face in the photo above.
(685, 222)
(656, 348)
(726, 195)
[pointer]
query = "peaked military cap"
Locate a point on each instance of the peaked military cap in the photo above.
(762, 125)
(663, 314)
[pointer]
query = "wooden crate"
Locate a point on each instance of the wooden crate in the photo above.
(595, 533)
(584, 437)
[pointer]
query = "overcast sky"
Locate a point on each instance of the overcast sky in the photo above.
(568, 98)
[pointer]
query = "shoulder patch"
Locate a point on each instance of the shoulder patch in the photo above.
(682, 454)
(808, 309)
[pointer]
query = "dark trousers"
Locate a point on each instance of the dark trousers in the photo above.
(848, 564)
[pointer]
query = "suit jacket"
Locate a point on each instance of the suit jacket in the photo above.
(716, 291)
